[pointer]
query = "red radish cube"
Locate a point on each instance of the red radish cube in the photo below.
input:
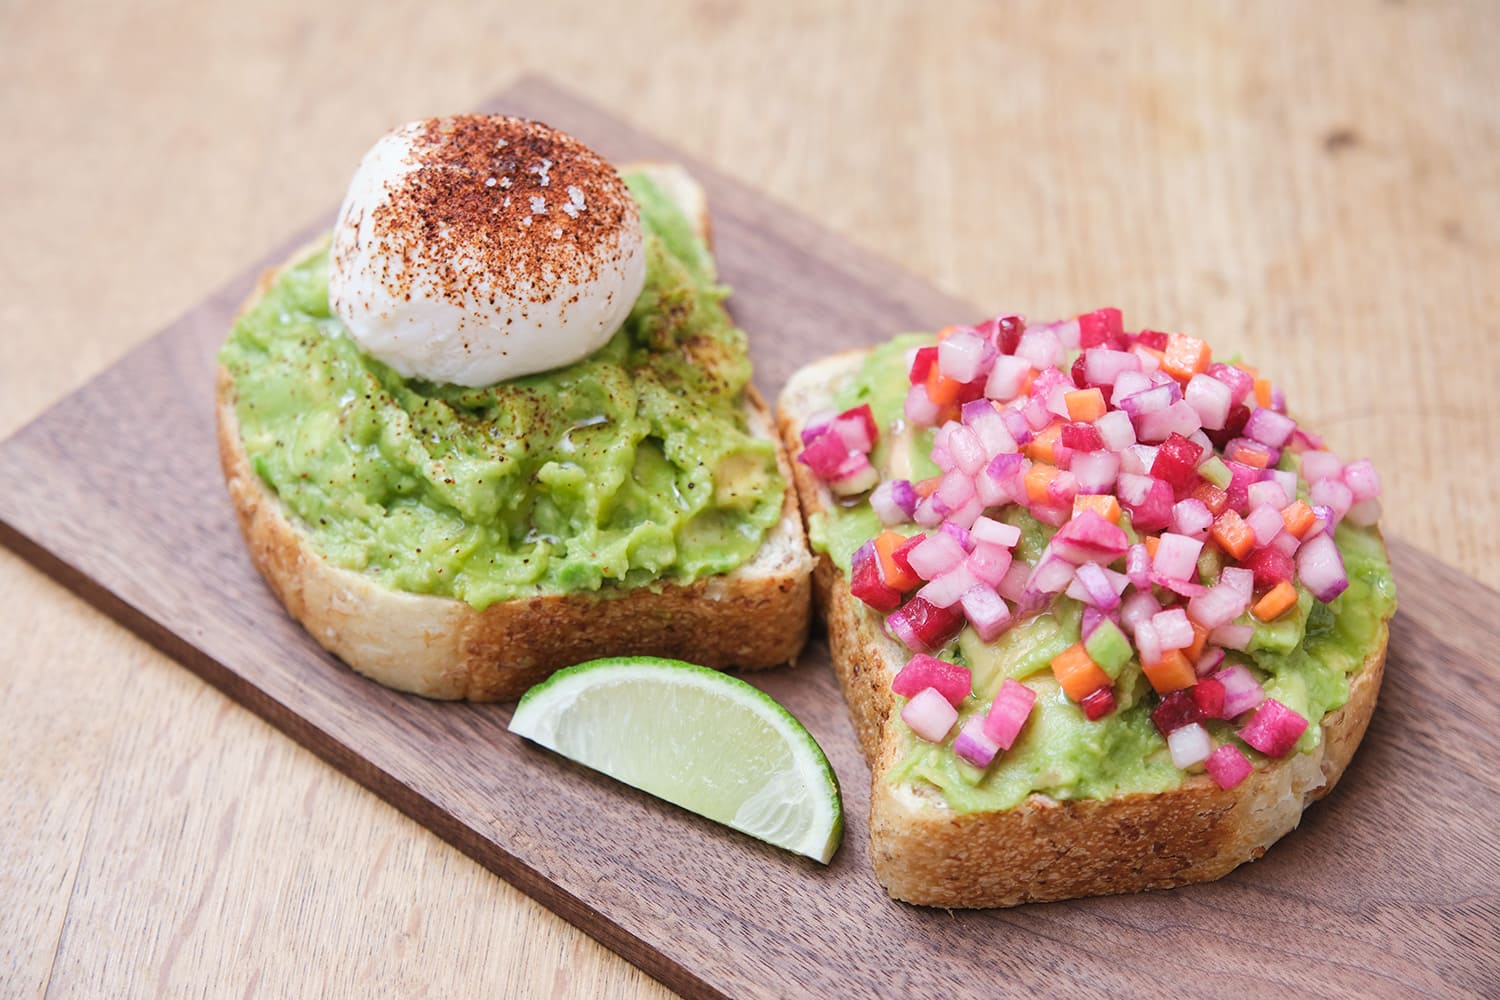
(1080, 436)
(1098, 703)
(856, 428)
(866, 582)
(923, 627)
(1270, 566)
(1003, 331)
(921, 364)
(901, 554)
(1008, 713)
(824, 454)
(1177, 462)
(1102, 326)
(1239, 382)
(922, 671)
(1227, 766)
(1274, 729)
(1151, 506)
(1208, 697)
(1189, 745)
(973, 746)
(1089, 538)
(1154, 339)
(1175, 711)
(929, 715)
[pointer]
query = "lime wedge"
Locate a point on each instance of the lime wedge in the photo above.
(700, 739)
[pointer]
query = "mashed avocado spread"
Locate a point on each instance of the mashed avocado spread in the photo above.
(631, 467)
(1303, 659)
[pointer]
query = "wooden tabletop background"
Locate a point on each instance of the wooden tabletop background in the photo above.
(1315, 185)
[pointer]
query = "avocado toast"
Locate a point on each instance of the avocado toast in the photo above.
(1034, 731)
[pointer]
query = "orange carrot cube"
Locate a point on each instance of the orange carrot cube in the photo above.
(1172, 673)
(1038, 478)
(1233, 534)
(1103, 504)
(941, 389)
(1185, 356)
(1263, 391)
(1043, 447)
(886, 543)
(1276, 602)
(1212, 497)
(1079, 675)
(1298, 517)
(1085, 404)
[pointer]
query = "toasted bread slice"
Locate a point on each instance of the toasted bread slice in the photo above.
(1045, 849)
(440, 647)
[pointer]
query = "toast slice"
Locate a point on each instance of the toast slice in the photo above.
(1045, 849)
(440, 647)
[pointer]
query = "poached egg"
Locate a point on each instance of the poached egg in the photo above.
(477, 248)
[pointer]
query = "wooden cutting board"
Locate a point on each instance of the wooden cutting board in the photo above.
(1390, 886)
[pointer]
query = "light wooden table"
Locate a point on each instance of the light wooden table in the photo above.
(1316, 185)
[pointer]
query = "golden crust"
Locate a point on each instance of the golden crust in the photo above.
(440, 647)
(1046, 849)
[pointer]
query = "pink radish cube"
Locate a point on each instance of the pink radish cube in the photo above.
(921, 672)
(973, 745)
(1008, 713)
(1274, 729)
(986, 611)
(1228, 766)
(929, 715)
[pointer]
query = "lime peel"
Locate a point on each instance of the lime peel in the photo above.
(698, 738)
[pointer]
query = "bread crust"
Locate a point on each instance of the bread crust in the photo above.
(1045, 849)
(441, 647)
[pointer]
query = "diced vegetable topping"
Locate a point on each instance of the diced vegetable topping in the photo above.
(1190, 511)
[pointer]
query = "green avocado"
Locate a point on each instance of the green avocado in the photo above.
(1304, 659)
(632, 467)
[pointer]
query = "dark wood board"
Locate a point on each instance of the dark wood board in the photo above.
(1390, 887)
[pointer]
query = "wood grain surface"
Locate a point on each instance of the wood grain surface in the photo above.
(1318, 183)
(705, 911)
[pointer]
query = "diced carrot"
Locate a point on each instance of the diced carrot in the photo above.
(1043, 447)
(1185, 357)
(1103, 504)
(927, 487)
(895, 577)
(1038, 478)
(946, 332)
(1263, 391)
(1200, 640)
(1298, 517)
(1212, 497)
(1172, 673)
(1085, 404)
(1079, 675)
(1276, 602)
(1253, 457)
(941, 389)
(1152, 542)
(948, 413)
(1233, 534)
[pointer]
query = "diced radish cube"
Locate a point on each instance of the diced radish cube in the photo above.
(996, 532)
(1006, 377)
(1116, 430)
(1177, 555)
(1208, 696)
(1173, 630)
(1210, 398)
(1014, 585)
(1319, 465)
(1364, 513)
(1138, 459)
(1098, 703)
(973, 745)
(923, 627)
(1232, 636)
(855, 475)
(1362, 479)
(965, 356)
(1147, 641)
(1268, 493)
(1227, 766)
(1189, 745)
(1240, 382)
(945, 591)
(1274, 729)
(1102, 326)
(919, 407)
(950, 680)
(1091, 586)
(1270, 566)
(1179, 418)
(1102, 366)
(1320, 567)
(989, 563)
(1138, 609)
(866, 582)
(1051, 574)
(929, 715)
(935, 556)
(1008, 713)
(884, 502)
(1191, 517)
(1089, 537)
(1266, 522)
(1095, 471)
(824, 454)
(967, 450)
(1039, 346)
(1269, 427)
(1177, 709)
(986, 611)
(1242, 691)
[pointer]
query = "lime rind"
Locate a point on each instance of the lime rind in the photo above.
(695, 737)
